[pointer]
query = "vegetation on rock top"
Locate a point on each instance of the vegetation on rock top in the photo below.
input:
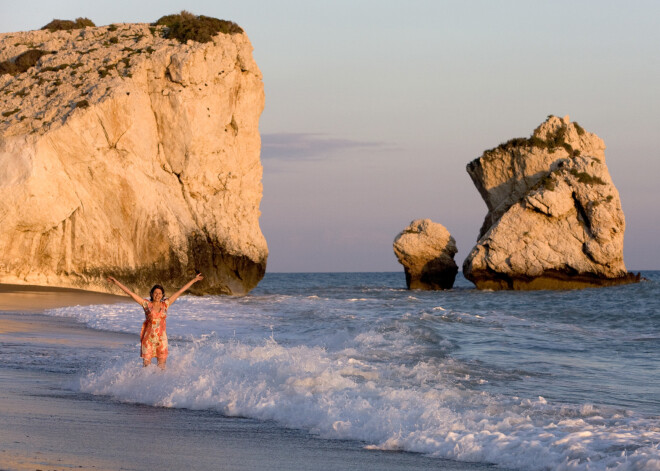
(22, 62)
(553, 142)
(586, 178)
(185, 26)
(26, 74)
(66, 25)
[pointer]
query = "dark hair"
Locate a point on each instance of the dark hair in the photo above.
(151, 293)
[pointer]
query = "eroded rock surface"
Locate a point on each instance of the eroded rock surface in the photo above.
(554, 219)
(125, 153)
(426, 250)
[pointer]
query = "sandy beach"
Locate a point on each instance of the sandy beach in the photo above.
(48, 424)
(25, 298)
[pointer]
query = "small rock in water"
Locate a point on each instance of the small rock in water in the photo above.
(426, 250)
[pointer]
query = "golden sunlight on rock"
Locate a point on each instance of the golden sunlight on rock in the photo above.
(126, 153)
(554, 215)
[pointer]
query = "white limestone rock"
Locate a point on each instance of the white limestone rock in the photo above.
(426, 250)
(555, 218)
(129, 154)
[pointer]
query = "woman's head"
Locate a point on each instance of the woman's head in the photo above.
(154, 291)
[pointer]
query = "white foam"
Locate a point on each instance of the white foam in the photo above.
(383, 370)
(189, 317)
(391, 406)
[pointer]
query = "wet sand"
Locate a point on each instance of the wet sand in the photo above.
(25, 298)
(47, 424)
(50, 428)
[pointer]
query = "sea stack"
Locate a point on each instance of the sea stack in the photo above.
(426, 250)
(127, 153)
(554, 216)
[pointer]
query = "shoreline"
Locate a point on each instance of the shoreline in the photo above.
(31, 298)
(48, 424)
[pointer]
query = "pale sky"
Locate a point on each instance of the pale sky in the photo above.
(374, 108)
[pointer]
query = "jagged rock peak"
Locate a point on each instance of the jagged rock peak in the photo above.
(426, 250)
(555, 217)
(123, 152)
(505, 173)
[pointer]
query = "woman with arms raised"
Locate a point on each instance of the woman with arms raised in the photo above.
(153, 337)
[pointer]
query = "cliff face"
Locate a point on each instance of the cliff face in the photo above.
(555, 218)
(125, 153)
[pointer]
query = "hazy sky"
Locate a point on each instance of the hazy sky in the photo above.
(373, 108)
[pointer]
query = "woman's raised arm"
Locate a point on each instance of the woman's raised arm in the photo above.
(172, 298)
(137, 298)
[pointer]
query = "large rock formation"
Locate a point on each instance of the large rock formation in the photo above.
(426, 250)
(125, 153)
(554, 216)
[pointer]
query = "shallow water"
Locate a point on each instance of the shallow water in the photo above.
(530, 380)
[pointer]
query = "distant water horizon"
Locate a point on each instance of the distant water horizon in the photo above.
(530, 380)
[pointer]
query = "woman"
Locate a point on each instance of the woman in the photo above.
(153, 336)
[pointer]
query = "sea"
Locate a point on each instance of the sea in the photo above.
(535, 380)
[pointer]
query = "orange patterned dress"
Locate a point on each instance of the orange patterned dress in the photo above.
(153, 336)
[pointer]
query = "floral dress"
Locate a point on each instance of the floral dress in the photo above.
(153, 337)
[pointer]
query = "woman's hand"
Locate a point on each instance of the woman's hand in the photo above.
(187, 285)
(136, 298)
